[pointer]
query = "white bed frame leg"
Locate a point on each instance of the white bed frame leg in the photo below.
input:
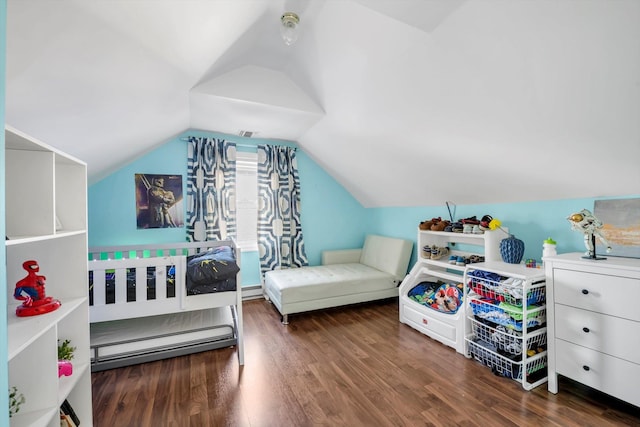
(285, 319)
(239, 326)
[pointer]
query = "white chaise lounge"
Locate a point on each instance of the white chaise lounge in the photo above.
(345, 277)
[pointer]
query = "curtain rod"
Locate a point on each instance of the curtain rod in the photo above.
(186, 139)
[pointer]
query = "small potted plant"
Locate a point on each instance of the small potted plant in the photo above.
(15, 400)
(65, 354)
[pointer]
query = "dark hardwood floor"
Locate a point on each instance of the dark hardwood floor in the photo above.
(353, 366)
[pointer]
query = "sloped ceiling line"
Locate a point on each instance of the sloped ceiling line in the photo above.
(528, 98)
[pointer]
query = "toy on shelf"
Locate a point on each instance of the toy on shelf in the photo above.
(585, 222)
(30, 291)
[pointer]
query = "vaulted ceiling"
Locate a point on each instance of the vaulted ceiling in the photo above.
(404, 102)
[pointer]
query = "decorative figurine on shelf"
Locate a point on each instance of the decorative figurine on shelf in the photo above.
(585, 222)
(30, 291)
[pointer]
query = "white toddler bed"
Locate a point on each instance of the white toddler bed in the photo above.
(143, 307)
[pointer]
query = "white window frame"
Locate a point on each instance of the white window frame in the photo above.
(247, 200)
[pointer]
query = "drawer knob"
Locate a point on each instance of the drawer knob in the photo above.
(585, 291)
(585, 329)
(586, 368)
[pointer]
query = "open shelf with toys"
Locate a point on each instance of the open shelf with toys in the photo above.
(442, 316)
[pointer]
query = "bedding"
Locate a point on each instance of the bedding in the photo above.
(443, 297)
(152, 280)
(212, 271)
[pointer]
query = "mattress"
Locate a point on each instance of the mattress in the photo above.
(148, 337)
(325, 281)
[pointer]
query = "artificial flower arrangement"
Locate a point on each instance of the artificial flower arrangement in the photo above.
(16, 399)
(495, 223)
(65, 350)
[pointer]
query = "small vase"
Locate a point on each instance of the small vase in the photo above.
(511, 250)
(64, 368)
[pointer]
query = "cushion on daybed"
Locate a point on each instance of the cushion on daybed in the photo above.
(387, 254)
(312, 283)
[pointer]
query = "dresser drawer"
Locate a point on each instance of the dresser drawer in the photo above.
(601, 293)
(608, 334)
(608, 374)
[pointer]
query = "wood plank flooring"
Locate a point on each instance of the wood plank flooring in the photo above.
(353, 366)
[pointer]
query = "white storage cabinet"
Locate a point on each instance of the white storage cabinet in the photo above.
(444, 327)
(506, 328)
(594, 323)
(45, 187)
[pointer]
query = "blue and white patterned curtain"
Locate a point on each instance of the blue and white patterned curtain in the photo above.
(279, 227)
(211, 189)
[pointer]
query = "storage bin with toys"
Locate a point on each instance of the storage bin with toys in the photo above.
(431, 296)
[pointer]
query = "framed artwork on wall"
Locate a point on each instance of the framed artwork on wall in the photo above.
(159, 201)
(621, 226)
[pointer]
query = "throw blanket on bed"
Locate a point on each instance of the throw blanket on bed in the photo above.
(212, 271)
(444, 297)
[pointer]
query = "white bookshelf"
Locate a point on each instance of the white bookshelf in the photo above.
(43, 187)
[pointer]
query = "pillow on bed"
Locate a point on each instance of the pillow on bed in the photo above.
(211, 266)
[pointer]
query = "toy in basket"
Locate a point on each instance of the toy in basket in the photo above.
(30, 290)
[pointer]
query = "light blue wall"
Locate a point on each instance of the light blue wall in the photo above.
(4, 373)
(112, 201)
(332, 218)
(531, 222)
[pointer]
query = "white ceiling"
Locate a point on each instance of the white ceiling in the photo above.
(404, 102)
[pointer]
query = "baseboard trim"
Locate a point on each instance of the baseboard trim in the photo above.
(251, 292)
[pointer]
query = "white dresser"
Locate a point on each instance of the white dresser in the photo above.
(593, 315)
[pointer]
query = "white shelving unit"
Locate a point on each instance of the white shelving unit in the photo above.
(45, 187)
(506, 320)
(444, 327)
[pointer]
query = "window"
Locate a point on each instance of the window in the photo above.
(247, 201)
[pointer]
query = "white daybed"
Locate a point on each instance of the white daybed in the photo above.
(141, 310)
(346, 277)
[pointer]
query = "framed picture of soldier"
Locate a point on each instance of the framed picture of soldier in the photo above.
(159, 201)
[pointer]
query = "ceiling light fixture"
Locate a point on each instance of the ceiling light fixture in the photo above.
(289, 29)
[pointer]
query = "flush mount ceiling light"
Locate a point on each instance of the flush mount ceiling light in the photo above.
(289, 29)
